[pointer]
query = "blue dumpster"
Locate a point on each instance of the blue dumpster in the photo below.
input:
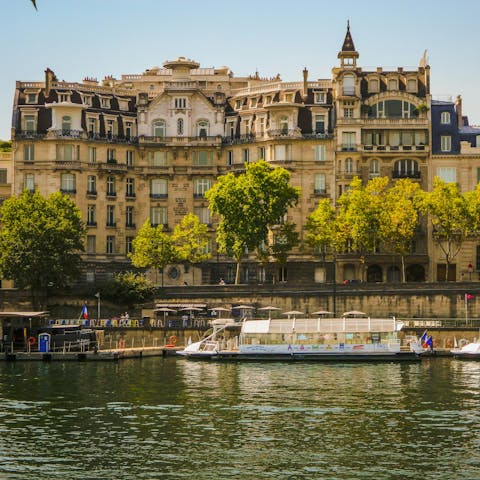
(44, 342)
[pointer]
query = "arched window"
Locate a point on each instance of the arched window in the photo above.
(374, 274)
(348, 165)
(393, 109)
(66, 124)
(348, 85)
(202, 128)
(284, 125)
(406, 168)
(159, 128)
(180, 126)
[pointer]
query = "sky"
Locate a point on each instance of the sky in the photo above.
(95, 38)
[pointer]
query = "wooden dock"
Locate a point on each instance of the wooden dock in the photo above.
(91, 355)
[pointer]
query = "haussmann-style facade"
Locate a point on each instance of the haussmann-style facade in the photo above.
(149, 146)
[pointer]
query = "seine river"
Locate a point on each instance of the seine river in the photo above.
(177, 419)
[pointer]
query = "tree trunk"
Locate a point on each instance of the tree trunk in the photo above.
(237, 274)
(403, 270)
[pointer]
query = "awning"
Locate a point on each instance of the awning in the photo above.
(23, 314)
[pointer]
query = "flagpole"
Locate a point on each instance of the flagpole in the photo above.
(466, 310)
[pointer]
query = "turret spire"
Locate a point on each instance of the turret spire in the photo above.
(348, 54)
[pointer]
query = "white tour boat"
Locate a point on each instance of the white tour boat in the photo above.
(351, 337)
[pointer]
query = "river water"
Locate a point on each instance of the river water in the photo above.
(168, 418)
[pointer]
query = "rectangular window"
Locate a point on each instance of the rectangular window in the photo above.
(3, 176)
(393, 84)
(158, 188)
(180, 102)
(319, 97)
(280, 152)
(92, 185)
(320, 184)
(129, 217)
(230, 157)
(111, 157)
(158, 216)
(29, 153)
(157, 159)
(445, 143)
(203, 213)
(245, 155)
(447, 174)
(92, 126)
(111, 216)
(319, 123)
(261, 153)
(412, 85)
(91, 215)
(478, 174)
(67, 152)
(445, 118)
(202, 158)
(67, 183)
(29, 123)
(92, 154)
(349, 141)
(110, 247)
(348, 112)
(129, 158)
(200, 186)
(105, 102)
(31, 98)
(130, 187)
(91, 244)
(320, 153)
(129, 245)
(111, 187)
(373, 85)
(29, 182)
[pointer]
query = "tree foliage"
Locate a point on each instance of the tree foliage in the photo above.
(40, 241)
(321, 228)
(153, 248)
(191, 238)
(450, 216)
(248, 205)
(129, 288)
(399, 218)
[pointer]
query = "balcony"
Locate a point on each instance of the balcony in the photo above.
(130, 195)
(65, 134)
(111, 194)
(68, 191)
(239, 140)
(110, 138)
(395, 148)
(348, 147)
(404, 174)
(111, 167)
(285, 133)
(201, 140)
(28, 135)
(317, 136)
(67, 165)
(111, 224)
(92, 193)
(91, 223)
(129, 225)
(158, 196)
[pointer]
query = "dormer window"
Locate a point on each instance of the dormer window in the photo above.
(31, 97)
(319, 97)
(123, 104)
(66, 124)
(392, 84)
(105, 102)
(412, 85)
(253, 103)
(87, 99)
(238, 104)
(349, 85)
(63, 97)
(284, 125)
(202, 128)
(268, 100)
(373, 85)
(159, 128)
(180, 102)
(288, 97)
(445, 118)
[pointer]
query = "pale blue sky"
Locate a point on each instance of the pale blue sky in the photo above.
(110, 37)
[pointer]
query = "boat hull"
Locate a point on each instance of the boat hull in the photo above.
(305, 357)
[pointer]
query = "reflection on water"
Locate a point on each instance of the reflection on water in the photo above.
(171, 418)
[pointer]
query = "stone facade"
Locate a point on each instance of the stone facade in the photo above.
(148, 146)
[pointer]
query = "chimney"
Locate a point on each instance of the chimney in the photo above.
(50, 79)
(458, 106)
(305, 82)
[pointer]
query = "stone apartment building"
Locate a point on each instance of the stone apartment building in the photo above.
(148, 146)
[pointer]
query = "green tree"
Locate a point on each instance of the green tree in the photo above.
(450, 218)
(358, 217)
(321, 228)
(191, 239)
(249, 205)
(285, 239)
(129, 288)
(40, 242)
(153, 248)
(399, 218)
(5, 146)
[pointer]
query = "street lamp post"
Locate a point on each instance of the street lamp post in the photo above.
(97, 295)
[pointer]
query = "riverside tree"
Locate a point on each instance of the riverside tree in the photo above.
(41, 240)
(191, 239)
(249, 205)
(153, 248)
(399, 218)
(451, 218)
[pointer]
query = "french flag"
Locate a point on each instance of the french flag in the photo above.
(85, 312)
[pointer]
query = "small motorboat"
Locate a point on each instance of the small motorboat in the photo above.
(470, 350)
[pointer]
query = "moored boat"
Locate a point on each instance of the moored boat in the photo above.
(470, 350)
(353, 337)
